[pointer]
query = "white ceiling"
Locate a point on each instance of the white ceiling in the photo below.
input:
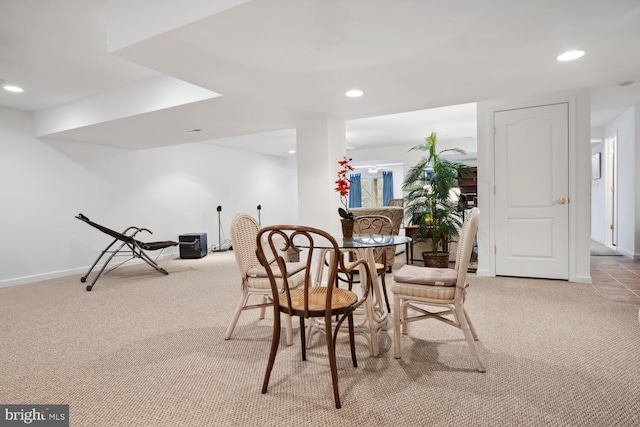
(273, 61)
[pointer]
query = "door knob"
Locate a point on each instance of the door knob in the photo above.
(561, 201)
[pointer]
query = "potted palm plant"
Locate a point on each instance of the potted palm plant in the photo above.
(428, 202)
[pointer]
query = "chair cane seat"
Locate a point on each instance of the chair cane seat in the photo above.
(340, 298)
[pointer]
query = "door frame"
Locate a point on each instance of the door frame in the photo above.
(610, 173)
(579, 169)
(557, 261)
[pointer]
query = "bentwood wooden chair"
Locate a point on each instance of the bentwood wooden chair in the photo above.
(255, 282)
(419, 290)
(375, 224)
(323, 301)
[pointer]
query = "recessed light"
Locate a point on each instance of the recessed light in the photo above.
(354, 93)
(571, 55)
(11, 88)
(625, 83)
(292, 151)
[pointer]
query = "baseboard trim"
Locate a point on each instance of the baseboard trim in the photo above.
(484, 273)
(25, 280)
(626, 253)
(583, 279)
(40, 277)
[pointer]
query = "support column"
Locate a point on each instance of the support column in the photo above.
(320, 145)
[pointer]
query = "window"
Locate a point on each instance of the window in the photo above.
(372, 192)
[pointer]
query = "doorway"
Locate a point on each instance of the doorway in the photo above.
(611, 193)
(531, 149)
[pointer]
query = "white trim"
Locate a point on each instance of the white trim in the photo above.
(627, 253)
(583, 279)
(25, 280)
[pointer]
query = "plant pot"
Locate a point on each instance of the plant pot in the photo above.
(436, 260)
(347, 228)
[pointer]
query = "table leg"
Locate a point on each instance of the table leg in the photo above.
(373, 317)
(374, 308)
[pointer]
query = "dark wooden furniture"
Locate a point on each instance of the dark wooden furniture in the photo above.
(308, 301)
(468, 185)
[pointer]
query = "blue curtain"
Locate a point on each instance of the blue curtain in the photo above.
(355, 192)
(387, 187)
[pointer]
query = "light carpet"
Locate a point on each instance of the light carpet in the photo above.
(144, 349)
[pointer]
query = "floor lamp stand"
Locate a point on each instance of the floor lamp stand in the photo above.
(219, 248)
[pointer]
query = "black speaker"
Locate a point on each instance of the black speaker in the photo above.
(197, 250)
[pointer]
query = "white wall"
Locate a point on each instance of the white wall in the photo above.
(626, 126)
(170, 190)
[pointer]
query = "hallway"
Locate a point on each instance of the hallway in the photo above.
(616, 278)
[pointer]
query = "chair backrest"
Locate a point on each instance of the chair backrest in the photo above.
(373, 224)
(244, 229)
(465, 245)
(396, 202)
(377, 224)
(323, 258)
(395, 213)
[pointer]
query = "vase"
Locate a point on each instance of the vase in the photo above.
(436, 260)
(347, 228)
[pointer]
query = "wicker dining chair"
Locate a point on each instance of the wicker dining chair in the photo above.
(322, 301)
(374, 224)
(416, 288)
(255, 282)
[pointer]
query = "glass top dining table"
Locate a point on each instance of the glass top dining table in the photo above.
(359, 241)
(375, 313)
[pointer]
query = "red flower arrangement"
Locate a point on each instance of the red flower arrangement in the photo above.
(343, 185)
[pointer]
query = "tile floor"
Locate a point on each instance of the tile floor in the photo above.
(616, 278)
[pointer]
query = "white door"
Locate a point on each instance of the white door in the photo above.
(532, 192)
